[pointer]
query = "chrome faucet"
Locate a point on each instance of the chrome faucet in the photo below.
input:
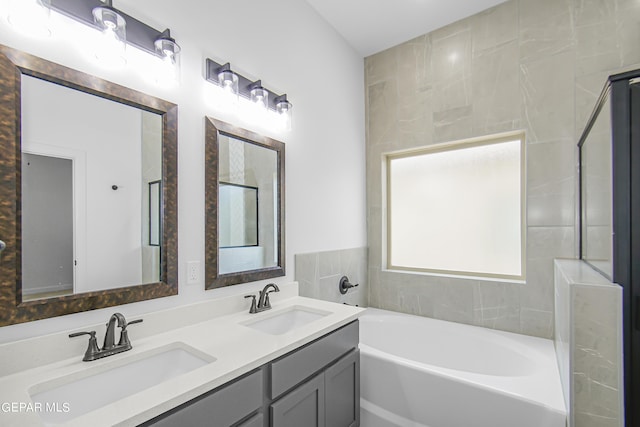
(263, 299)
(109, 347)
(109, 336)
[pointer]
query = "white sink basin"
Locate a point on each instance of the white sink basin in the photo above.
(86, 391)
(281, 322)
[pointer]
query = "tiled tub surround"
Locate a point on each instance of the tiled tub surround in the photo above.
(536, 65)
(214, 328)
(454, 375)
(589, 345)
(318, 275)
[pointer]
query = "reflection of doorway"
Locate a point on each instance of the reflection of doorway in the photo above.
(47, 226)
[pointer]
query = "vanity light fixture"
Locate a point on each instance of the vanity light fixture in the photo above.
(119, 30)
(228, 80)
(169, 52)
(266, 100)
(283, 108)
(30, 17)
(111, 46)
(259, 95)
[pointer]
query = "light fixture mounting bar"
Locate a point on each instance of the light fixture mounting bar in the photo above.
(244, 84)
(138, 33)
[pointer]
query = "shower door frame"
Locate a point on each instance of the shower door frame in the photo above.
(625, 101)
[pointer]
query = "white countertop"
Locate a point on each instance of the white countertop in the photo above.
(237, 349)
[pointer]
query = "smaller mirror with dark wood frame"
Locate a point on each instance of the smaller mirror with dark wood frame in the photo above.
(244, 186)
(88, 192)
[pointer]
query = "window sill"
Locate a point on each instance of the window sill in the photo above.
(457, 276)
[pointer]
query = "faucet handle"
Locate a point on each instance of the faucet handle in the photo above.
(124, 334)
(267, 303)
(92, 348)
(253, 308)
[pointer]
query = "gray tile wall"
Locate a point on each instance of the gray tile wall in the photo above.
(536, 65)
(589, 345)
(318, 275)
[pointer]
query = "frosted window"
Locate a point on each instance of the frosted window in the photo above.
(457, 209)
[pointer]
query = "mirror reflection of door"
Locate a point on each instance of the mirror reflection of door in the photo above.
(115, 151)
(47, 221)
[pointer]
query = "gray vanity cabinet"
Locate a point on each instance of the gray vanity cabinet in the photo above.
(302, 407)
(330, 399)
(223, 407)
(255, 421)
(342, 392)
(316, 385)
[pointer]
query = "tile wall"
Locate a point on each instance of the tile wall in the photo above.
(318, 275)
(536, 65)
(588, 341)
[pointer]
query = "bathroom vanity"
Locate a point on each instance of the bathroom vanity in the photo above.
(296, 364)
(315, 385)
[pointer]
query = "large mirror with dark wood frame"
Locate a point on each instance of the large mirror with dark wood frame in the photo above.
(88, 192)
(244, 185)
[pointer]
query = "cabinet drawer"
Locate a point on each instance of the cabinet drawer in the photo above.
(221, 407)
(255, 421)
(299, 365)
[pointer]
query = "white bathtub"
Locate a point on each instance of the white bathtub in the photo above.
(417, 371)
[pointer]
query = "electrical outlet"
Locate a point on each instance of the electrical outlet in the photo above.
(193, 272)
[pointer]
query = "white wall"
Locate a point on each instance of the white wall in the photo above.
(288, 46)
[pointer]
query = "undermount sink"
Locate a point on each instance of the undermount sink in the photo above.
(79, 394)
(285, 321)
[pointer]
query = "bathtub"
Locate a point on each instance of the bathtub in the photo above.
(417, 371)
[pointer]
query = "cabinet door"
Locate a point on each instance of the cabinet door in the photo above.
(302, 407)
(342, 392)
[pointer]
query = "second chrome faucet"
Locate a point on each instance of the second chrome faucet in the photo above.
(263, 298)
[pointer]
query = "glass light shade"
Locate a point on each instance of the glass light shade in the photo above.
(260, 97)
(111, 45)
(228, 81)
(168, 69)
(283, 108)
(168, 48)
(30, 17)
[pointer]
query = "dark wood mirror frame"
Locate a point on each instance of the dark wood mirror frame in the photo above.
(13, 64)
(213, 279)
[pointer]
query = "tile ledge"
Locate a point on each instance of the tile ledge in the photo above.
(578, 272)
